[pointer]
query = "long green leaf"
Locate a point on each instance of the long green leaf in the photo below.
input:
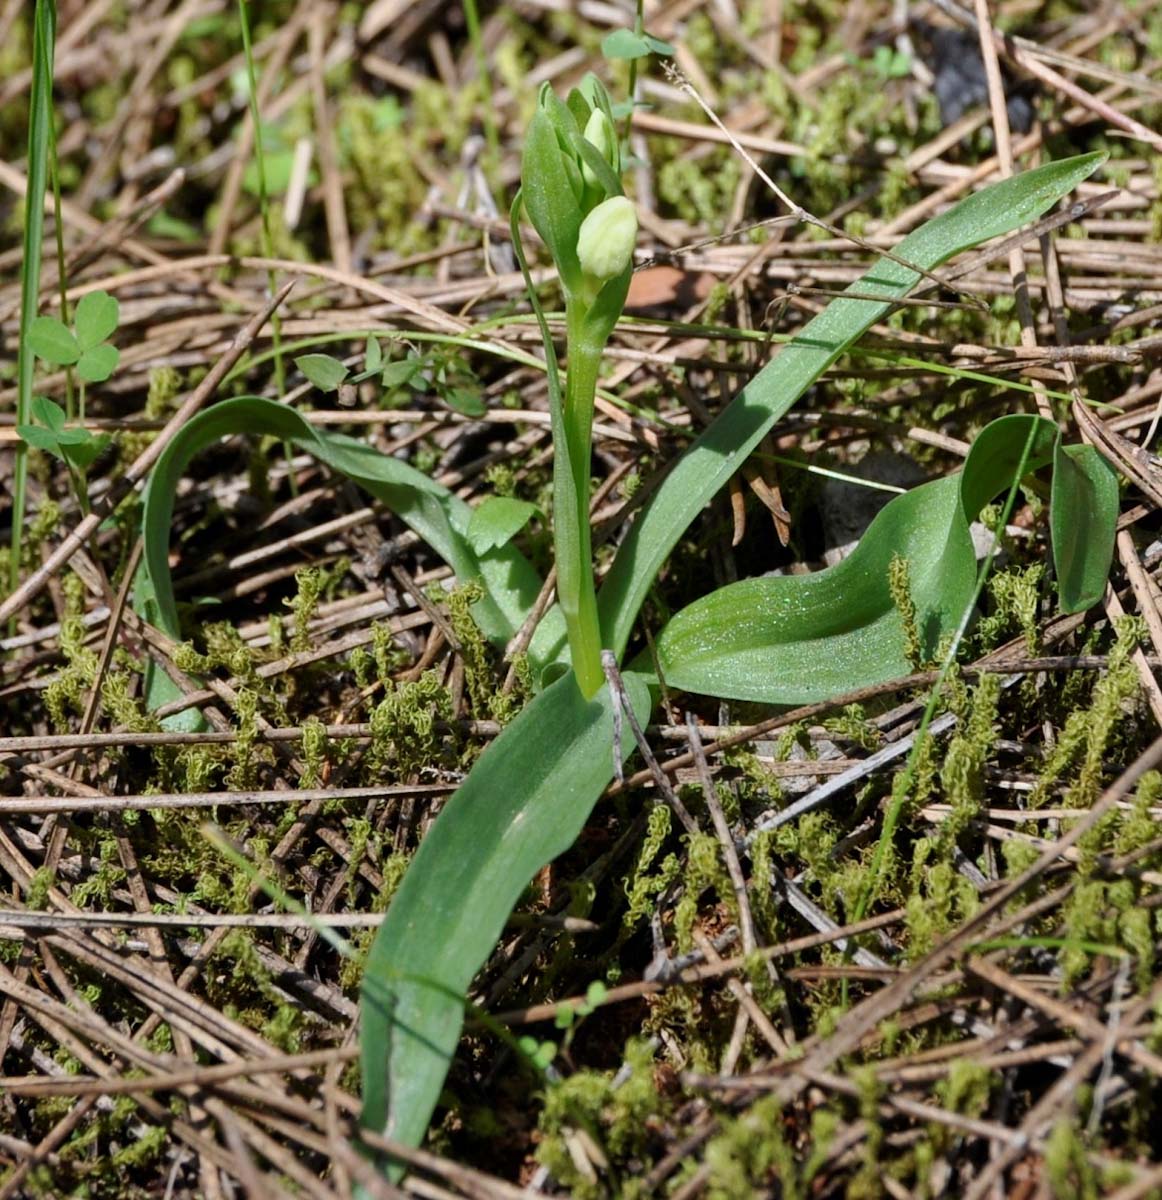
(795, 639)
(39, 136)
(523, 804)
(723, 447)
(440, 518)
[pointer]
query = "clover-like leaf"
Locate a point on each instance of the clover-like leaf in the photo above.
(96, 319)
(402, 372)
(624, 44)
(373, 356)
(52, 340)
(497, 520)
(83, 453)
(464, 400)
(325, 372)
(38, 438)
(98, 363)
(48, 413)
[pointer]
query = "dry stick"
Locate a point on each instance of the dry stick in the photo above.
(201, 1077)
(729, 852)
(333, 207)
(137, 471)
(1062, 1092)
(1065, 1014)
(738, 886)
(115, 614)
(797, 212)
(623, 707)
(1058, 82)
(866, 1015)
(1000, 118)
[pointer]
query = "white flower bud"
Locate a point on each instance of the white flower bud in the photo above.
(600, 133)
(606, 241)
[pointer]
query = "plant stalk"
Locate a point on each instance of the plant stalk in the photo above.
(573, 543)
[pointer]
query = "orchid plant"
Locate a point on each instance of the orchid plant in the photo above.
(777, 640)
(571, 189)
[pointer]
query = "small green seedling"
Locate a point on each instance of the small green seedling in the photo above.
(448, 375)
(86, 346)
(570, 1015)
(77, 448)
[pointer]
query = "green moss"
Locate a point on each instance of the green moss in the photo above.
(614, 1110)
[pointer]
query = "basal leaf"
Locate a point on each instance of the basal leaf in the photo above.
(52, 341)
(96, 318)
(1083, 513)
(523, 804)
(795, 639)
(439, 517)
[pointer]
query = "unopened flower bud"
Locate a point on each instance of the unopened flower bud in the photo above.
(599, 132)
(606, 241)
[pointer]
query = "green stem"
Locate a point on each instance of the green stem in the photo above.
(575, 587)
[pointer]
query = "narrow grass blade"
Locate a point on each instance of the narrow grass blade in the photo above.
(796, 639)
(440, 518)
(722, 449)
(524, 803)
(39, 137)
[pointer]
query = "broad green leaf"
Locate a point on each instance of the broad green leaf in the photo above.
(720, 451)
(325, 372)
(96, 318)
(1083, 514)
(373, 357)
(497, 520)
(97, 364)
(439, 517)
(624, 44)
(796, 639)
(48, 413)
(51, 340)
(524, 803)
